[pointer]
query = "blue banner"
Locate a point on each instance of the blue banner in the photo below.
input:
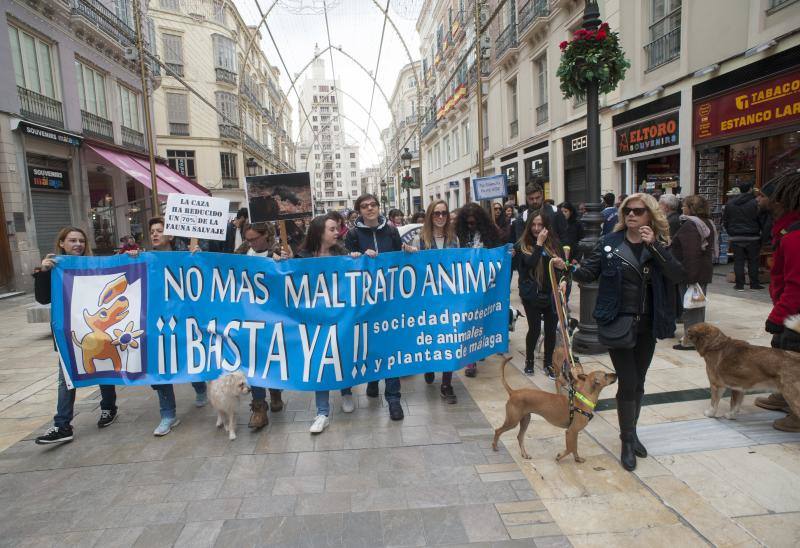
(300, 324)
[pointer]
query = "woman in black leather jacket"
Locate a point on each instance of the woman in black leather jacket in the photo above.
(637, 276)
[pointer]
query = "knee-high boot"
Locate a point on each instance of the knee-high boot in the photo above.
(638, 447)
(626, 413)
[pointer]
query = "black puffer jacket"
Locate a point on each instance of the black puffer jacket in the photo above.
(382, 238)
(621, 289)
(741, 217)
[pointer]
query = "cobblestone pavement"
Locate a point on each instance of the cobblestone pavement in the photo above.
(430, 480)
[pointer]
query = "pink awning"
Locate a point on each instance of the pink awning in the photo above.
(132, 167)
(174, 180)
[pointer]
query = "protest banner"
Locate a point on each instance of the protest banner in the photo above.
(200, 217)
(488, 188)
(303, 324)
(279, 197)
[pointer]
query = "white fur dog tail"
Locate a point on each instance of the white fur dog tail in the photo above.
(793, 323)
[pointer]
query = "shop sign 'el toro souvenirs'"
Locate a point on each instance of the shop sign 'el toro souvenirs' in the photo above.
(771, 103)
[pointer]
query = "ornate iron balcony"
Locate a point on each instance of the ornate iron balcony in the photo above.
(663, 49)
(224, 75)
(40, 108)
(132, 138)
(97, 126)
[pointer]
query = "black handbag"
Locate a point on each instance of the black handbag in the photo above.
(621, 332)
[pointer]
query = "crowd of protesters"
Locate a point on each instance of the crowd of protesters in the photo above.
(651, 253)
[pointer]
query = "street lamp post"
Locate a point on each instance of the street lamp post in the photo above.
(586, 340)
(406, 157)
(251, 166)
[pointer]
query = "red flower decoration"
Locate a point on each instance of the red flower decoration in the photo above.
(601, 35)
(563, 45)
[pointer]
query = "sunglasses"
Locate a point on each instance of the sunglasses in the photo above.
(637, 211)
(369, 205)
(440, 214)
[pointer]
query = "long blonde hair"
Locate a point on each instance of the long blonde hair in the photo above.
(426, 237)
(658, 221)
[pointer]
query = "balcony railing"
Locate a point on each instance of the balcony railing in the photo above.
(179, 129)
(104, 19)
(39, 108)
(228, 131)
(256, 147)
(230, 182)
(663, 49)
(248, 92)
(429, 125)
(532, 10)
(224, 75)
(96, 126)
(132, 138)
(506, 39)
(541, 114)
(174, 69)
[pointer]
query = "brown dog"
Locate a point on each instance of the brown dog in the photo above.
(98, 344)
(553, 407)
(740, 366)
(560, 359)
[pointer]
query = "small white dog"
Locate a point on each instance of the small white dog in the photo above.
(224, 397)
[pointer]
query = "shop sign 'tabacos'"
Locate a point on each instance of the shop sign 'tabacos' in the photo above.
(654, 134)
(772, 103)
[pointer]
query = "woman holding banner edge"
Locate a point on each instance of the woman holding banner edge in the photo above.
(437, 233)
(322, 240)
(370, 235)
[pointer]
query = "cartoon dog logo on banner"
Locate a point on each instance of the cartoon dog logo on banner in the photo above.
(98, 344)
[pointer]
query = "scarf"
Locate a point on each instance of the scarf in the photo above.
(705, 232)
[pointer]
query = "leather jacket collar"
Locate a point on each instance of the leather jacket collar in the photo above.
(621, 249)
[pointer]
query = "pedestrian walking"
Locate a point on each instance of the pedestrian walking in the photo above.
(670, 205)
(696, 246)
(474, 228)
(741, 220)
(637, 274)
(166, 392)
(260, 242)
(784, 287)
(70, 241)
(538, 246)
(610, 213)
(574, 231)
(534, 200)
(372, 234)
(437, 233)
(234, 234)
(500, 219)
(322, 240)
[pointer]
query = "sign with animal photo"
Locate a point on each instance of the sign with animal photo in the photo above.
(279, 197)
(299, 324)
(200, 217)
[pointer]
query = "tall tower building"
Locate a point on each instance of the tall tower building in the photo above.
(323, 149)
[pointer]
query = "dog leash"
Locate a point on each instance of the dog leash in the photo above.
(584, 400)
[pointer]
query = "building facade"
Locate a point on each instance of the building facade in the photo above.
(322, 149)
(371, 180)
(72, 146)
(403, 134)
(674, 123)
(212, 49)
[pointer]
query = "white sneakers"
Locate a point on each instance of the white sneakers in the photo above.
(319, 424)
(348, 405)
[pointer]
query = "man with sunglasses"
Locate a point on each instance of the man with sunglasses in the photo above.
(372, 234)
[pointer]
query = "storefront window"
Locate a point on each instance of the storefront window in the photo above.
(660, 174)
(782, 155)
(741, 164)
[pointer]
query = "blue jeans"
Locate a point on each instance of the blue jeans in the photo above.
(259, 393)
(65, 408)
(166, 397)
(391, 390)
(323, 400)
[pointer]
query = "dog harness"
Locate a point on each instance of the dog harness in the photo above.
(581, 398)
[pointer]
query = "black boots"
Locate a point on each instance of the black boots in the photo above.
(638, 447)
(626, 413)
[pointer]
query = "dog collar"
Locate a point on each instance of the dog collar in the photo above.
(584, 400)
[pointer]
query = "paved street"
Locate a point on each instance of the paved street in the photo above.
(366, 481)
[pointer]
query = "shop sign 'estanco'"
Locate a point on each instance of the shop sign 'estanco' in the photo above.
(650, 135)
(772, 103)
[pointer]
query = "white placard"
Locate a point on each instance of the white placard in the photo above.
(488, 188)
(200, 217)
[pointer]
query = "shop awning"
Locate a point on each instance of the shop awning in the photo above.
(168, 181)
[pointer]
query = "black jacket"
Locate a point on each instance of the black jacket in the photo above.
(572, 235)
(381, 238)
(41, 286)
(674, 221)
(622, 289)
(526, 266)
(741, 217)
